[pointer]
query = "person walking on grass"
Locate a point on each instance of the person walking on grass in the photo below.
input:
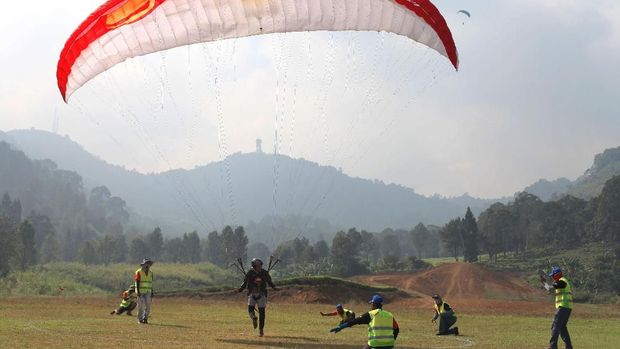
(345, 314)
(446, 316)
(256, 281)
(563, 304)
(144, 289)
(382, 326)
(128, 303)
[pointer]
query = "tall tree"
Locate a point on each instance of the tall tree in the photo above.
(174, 251)
(495, 224)
(390, 246)
(345, 253)
(50, 250)
(138, 249)
(11, 210)
(235, 244)
(526, 209)
(191, 248)
(120, 250)
(451, 236)
(155, 242)
(214, 248)
(470, 237)
(87, 253)
(97, 200)
(369, 248)
(421, 239)
(321, 249)
(8, 243)
(42, 228)
(105, 249)
(28, 253)
(606, 222)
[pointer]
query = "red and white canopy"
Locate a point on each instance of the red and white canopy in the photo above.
(122, 29)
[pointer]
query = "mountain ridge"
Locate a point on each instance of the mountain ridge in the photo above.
(240, 190)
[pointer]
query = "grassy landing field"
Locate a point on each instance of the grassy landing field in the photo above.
(75, 322)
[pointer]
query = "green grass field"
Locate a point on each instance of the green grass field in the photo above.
(75, 322)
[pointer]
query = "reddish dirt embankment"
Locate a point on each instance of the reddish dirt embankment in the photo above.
(458, 280)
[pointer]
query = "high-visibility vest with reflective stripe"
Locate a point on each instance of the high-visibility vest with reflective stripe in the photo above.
(345, 313)
(381, 329)
(128, 298)
(442, 309)
(564, 296)
(146, 281)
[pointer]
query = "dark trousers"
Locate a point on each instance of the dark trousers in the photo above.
(558, 328)
(261, 316)
(445, 322)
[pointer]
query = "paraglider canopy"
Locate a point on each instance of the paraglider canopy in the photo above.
(121, 29)
(466, 13)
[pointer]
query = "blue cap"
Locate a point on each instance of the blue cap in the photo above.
(555, 270)
(376, 299)
(338, 305)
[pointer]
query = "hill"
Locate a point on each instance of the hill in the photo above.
(241, 190)
(548, 190)
(459, 281)
(41, 187)
(605, 166)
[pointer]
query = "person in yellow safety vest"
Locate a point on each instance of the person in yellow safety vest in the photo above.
(345, 314)
(128, 303)
(446, 315)
(382, 326)
(144, 289)
(564, 305)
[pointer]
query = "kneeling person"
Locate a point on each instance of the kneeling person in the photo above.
(128, 303)
(446, 315)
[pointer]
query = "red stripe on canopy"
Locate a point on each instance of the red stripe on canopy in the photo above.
(432, 16)
(91, 29)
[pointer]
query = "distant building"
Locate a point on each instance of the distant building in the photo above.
(259, 146)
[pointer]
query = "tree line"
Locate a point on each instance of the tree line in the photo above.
(530, 223)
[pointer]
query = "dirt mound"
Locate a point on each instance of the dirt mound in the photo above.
(332, 295)
(318, 290)
(458, 280)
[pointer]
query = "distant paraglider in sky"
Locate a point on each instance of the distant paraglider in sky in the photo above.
(122, 29)
(464, 13)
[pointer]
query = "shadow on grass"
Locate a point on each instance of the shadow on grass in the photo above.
(307, 339)
(168, 325)
(292, 345)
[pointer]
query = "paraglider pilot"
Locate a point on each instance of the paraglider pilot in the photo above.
(256, 280)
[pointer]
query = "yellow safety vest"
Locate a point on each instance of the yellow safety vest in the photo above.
(128, 300)
(381, 329)
(345, 313)
(564, 296)
(442, 309)
(146, 282)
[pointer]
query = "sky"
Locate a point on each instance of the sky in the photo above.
(536, 96)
